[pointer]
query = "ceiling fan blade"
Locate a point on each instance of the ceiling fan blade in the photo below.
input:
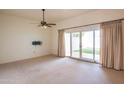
(48, 25)
(51, 24)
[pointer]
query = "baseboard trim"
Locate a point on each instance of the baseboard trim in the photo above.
(27, 59)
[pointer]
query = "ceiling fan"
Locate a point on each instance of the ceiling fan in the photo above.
(43, 23)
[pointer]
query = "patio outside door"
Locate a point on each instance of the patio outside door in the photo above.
(84, 45)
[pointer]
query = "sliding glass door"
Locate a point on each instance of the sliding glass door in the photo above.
(87, 45)
(84, 45)
(75, 44)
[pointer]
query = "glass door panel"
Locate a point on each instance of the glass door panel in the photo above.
(76, 44)
(97, 45)
(67, 44)
(87, 45)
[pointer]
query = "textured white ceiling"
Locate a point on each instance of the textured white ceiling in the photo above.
(51, 15)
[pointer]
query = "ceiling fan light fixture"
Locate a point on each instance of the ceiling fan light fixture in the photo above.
(45, 27)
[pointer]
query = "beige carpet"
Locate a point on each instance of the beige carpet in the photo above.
(51, 69)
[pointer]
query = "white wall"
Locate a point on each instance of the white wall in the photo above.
(16, 36)
(88, 18)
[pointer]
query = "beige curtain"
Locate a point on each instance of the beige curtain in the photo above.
(111, 45)
(61, 43)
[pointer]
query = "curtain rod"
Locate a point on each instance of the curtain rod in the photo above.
(91, 24)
